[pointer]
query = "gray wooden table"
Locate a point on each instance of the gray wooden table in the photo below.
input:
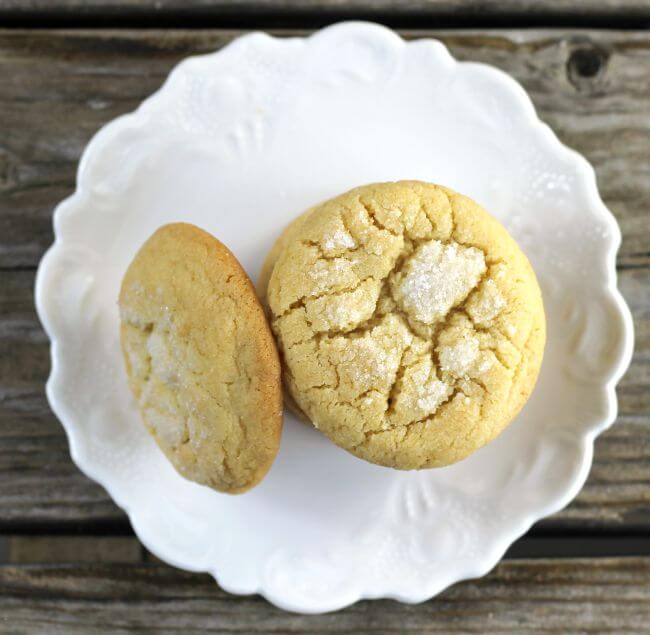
(68, 560)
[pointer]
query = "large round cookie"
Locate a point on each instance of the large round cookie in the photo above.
(201, 359)
(410, 323)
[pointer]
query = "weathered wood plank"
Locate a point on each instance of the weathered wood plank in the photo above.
(41, 485)
(603, 595)
(76, 549)
(592, 87)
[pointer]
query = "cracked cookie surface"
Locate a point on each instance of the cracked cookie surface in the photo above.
(201, 359)
(411, 324)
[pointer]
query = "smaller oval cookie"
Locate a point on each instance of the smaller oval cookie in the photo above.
(201, 359)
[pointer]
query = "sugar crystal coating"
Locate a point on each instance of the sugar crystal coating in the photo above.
(339, 239)
(487, 304)
(201, 359)
(436, 278)
(459, 359)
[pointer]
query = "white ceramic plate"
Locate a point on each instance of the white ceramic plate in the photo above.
(241, 141)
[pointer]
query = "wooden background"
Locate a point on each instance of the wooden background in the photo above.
(68, 560)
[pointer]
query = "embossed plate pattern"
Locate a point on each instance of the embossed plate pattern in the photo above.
(240, 142)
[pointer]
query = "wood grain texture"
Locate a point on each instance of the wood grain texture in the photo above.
(607, 595)
(59, 87)
(72, 549)
(593, 88)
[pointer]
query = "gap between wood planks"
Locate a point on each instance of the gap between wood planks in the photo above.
(265, 14)
(64, 549)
